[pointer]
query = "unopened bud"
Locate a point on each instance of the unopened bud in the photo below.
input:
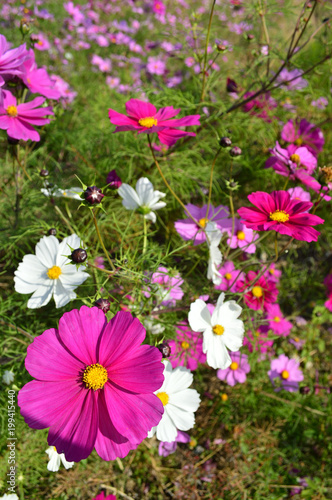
(235, 151)
(79, 255)
(225, 142)
(221, 47)
(250, 36)
(231, 85)
(165, 349)
(52, 231)
(44, 173)
(93, 195)
(113, 180)
(103, 304)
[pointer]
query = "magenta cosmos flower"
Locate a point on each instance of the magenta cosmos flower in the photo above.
(188, 230)
(187, 349)
(303, 133)
(18, 119)
(286, 372)
(262, 294)
(277, 322)
(144, 118)
(277, 212)
(11, 59)
(101, 496)
(94, 384)
(229, 277)
(237, 371)
(37, 79)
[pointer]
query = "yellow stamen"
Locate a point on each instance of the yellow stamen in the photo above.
(54, 272)
(203, 222)
(272, 271)
(276, 319)
(234, 365)
(185, 345)
(256, 333)
(295, 158)
(54, 448)
(164, 397)
(240, 235)
(228, 276)
(40, 43)
(12, 111)
(224, 397)
(148, 122)
(279, 216)
(257, 292)
(285, 374)
(298, 141)
(95, 376)
(218, 330)
(297, 339)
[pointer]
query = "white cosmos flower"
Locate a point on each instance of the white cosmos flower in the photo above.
(179, 402)
(55, 460)
(213, 237)
(50, 272)
(221, 331)
(11, 496)
(57, 192)
(144, 199)
(7, 377)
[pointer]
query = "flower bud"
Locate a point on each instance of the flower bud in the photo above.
(79, 255)
(225, 142)
(103, 304)
(44, 173)
(221, 47)
(231, 85)
(235, 151)
(93, 195)
(165, 349)
(113, 180)
(250, 36)
(52, 231)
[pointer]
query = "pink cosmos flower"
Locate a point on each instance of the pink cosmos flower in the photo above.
(229, 277)
(272, 273)
(277, 212)
(297, 193)
(159, 8)
(292, 79)
(94, 384)
(113, 81)
(104, 65)
(287, 372)
(99, 262)
(298, 343)
(37, 79)
(262, 294)
(41, 42)
(258, 340)
(11, 60)
(66, 94)
(303, 133)
(101, 496)
(187, 349)
(18, 119)
(188, 230)
(277, 322)
(167, 288)
(144, 117)
(243, 238)
(321, 103)
(155, 66)
(166, 448)
(237, 371)
(260, 106)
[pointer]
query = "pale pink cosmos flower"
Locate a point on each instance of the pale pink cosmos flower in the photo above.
(187, 348)
(18, 119)
(321, 103)
(165, 287)
(104, 65)
(243, 238)
(297, 342)
(166, 448)
(277, 322)
(297, 193)
(229, 277)
(155, 66)
(11, 60)
(113, 81)
(94, 384)
(67, 95)
(292, 79)
(237, 371)
(37, 79)
(285, 374)
(188, 230)
(144, 118)
(272, 273)
(41, 42)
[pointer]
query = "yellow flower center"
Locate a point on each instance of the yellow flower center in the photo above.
(203, 222)
(257, 292)
(295, 158)
(218, 329)
(54, 448)
(299, 141)
(40, 43)
(95, 376)
(224, 397)
(234, 365)
(285, 374)
(279, 216)
(185, 345)
(164, 397)
(276, 319)
(256, 333)
(228, 276)
(148, 122)
(54, 272)
(240, 235)
(297, 339)
(12, 111)
(272, 271)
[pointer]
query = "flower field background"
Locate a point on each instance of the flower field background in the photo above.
(166, 263)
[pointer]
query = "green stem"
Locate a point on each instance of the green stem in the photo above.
(206, 50)
(211, 181)
(276, 246)
(101, 241)
(145, 235)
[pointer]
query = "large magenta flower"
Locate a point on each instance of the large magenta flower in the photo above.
(278, 212)
(94, 384)
(263, 293)
(11, 59)
(18, 119)
(144, 117)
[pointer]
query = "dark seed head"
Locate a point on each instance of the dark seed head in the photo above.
(236, 151)
(225, 142)
(165, 349)
(79, 255)
(103, 304)
(93, 195)
(52, 231)
(44, 173)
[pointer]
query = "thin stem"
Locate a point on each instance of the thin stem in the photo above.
(101, 241)
(206, 50)
(276, 246)
(22, 166)
(211, 181)
(145, 241)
